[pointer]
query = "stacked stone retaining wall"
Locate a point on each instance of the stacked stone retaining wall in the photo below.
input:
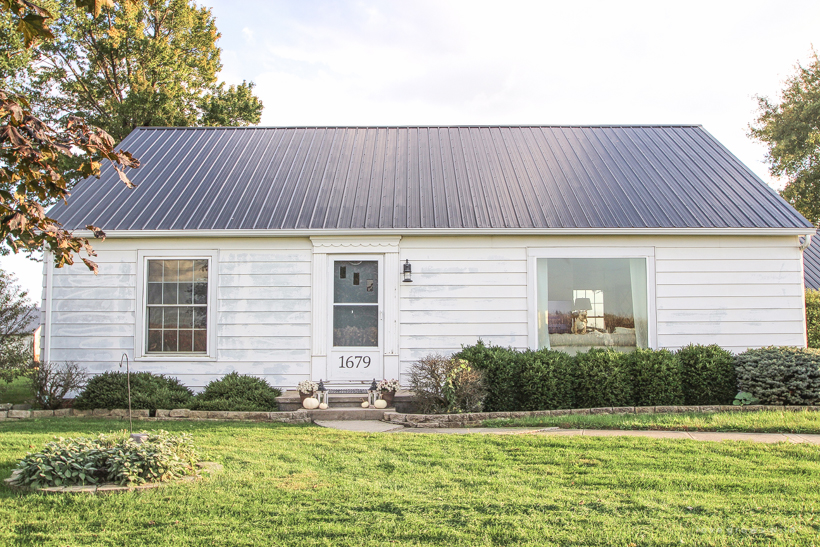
(476, 419)
(297, 417)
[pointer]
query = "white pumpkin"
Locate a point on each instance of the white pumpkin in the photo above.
(322, 406)
(365, 404)
(381, 403)
(311, 403)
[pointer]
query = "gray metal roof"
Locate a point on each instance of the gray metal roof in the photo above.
(811, 264)
(428, 177)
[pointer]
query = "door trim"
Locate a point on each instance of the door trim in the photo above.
(331, 349)
(327, 248)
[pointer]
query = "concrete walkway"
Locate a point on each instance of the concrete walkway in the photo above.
(372, 426)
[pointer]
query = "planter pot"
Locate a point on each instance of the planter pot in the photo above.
(388, 397)
(303, 396)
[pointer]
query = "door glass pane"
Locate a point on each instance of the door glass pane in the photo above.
(356, 282)
(356, 326)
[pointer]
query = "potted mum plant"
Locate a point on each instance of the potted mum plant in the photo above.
(307, 388)
(388, 389)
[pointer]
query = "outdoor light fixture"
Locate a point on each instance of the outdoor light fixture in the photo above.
(407, 271)
(322, 392)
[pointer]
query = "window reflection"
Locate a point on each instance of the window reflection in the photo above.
(176, 306)
(592, 302)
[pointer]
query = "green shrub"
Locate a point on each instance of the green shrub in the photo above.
(602, 379)
(148, 391)
(546, 380)
(780, 375)
(708, 375)
(502, 374)
(813, 317)
(654, 377)
(109, 458)
(237, 392)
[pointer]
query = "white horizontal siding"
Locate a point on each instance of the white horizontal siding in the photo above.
(262, 311)
(462, 291)
(742, 296)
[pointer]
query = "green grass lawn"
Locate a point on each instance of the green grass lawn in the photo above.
(303, 485)
(751, 422)
(16, 392)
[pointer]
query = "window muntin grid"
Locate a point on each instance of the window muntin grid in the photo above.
(177, 306)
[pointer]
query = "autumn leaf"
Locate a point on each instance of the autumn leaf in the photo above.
(98, 233)
(34, 26)
(94, 6)
(91, 265)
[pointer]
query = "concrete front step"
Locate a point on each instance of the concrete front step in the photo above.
(290, 401)
(347, 414)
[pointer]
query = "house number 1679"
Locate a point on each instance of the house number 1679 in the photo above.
(354, 361)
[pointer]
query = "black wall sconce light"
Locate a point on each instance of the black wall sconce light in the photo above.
(407, 271)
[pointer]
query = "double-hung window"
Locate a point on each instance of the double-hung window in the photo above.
(176, 306)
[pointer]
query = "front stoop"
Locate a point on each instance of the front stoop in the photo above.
(290, 401)
(346, 414)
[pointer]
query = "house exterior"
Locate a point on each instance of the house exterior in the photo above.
(348, 253)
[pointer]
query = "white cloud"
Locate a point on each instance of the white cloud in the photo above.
(380, 62)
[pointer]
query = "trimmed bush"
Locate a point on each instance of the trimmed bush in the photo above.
(237, 392)
(780, 375)
(109, 458)
(502, 374)
(655, 378)
(813, 317)
(148, 391)
(546, 380)
(707, 374)
(602, 379)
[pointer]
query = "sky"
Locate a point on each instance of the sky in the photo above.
(450, 62)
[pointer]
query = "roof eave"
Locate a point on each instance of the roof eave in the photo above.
(132, 234)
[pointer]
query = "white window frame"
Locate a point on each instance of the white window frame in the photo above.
(140, 351)
(534, 253)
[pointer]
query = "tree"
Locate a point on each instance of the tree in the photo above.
(790, 129)
(36, 160)
(136, 64)
(16, 315)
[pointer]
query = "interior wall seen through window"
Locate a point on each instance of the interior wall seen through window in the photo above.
(592, 302)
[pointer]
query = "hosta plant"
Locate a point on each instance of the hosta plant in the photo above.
(111, 458)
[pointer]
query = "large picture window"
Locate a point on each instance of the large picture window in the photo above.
(583, 303)
(176, 306)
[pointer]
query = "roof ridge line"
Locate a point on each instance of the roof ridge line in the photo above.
(199, 128)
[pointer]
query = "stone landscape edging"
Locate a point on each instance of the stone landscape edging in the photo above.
(476, 419)
(472, 419)
(210, 468)
(296, 417)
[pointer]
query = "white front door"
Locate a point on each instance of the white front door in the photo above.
(355, 318)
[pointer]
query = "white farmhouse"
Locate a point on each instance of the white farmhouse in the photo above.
(347, 253)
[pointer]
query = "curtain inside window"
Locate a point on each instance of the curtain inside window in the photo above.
(640, 311)
(542, 296)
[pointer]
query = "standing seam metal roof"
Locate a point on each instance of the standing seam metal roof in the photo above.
(811, 264)
(428, 177)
